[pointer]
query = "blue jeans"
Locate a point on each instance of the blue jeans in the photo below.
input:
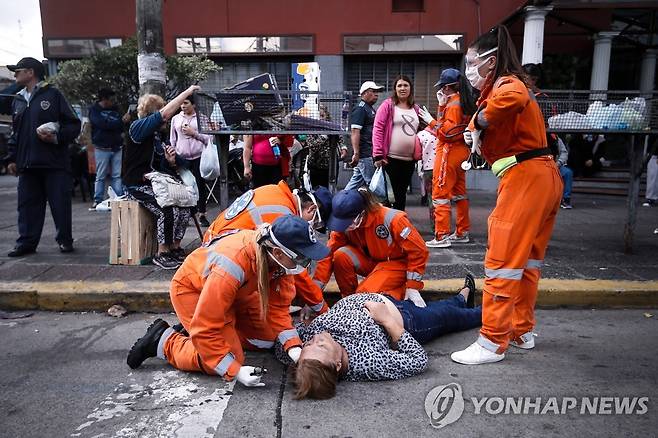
(362, 174)
(107, 160)
(438, 318)
(567, 178)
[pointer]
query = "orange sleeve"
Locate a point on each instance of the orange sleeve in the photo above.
(452, 116)
(413, 244)
(325, 267)
(278, 312)
(209, 327)
(506, 100)
(310, 292)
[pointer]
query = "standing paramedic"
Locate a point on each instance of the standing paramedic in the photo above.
(267, 203)
(456, 107)
(508, 129)
(375, 242)
(361, 122)
(43, 126)
(231, 294)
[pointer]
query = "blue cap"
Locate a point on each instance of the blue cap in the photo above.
(448, 76)
(346, 206)
(323, 196)
(297, 235)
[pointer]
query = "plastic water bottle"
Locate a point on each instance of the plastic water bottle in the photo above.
(276, 151)
(345, 114)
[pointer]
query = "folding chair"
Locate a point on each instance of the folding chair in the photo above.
(211, 189)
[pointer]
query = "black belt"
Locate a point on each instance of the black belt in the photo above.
(534, 153)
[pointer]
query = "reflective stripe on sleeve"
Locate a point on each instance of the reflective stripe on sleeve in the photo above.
(257, 212)
(260, 343)
(317, 307)
(226, 264)
(534, 264)
(415, 276)
(287, 335)
(224, 364)
(320, 284)
(509, 274)
(390, 214)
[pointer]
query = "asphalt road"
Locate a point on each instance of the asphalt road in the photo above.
(64, 374)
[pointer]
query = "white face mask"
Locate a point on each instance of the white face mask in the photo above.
(472, 73)
(298, 269)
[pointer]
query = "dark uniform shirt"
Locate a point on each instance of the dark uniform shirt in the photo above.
(363, 118)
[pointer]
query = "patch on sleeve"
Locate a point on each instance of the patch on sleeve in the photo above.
(239, 205)
(405, 233)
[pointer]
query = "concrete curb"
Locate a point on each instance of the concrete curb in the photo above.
(153, 296)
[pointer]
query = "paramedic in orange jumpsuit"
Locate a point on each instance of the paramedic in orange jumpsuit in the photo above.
(449, 179)
(508, 128)
(376, 242)
(265, 204)
(232, 294)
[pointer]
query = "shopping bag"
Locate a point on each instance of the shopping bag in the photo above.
(380, 185)
(209, 165)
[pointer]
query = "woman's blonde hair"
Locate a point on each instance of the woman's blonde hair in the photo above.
(148, 104)
(371, 203)
(314, 379)
(263, 267)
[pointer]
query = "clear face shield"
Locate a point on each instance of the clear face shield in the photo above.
(316, 222)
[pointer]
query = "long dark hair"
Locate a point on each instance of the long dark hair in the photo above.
(405, 78)
(507, 61)
(466, 97)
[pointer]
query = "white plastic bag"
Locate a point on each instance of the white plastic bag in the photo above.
(209, 165)
(380, 185)
(169, 191)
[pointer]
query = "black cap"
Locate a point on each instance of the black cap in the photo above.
(32, 63)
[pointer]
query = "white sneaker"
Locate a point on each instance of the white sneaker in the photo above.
(444, 242)
(528, 341)
(455, 238)
(476, 354)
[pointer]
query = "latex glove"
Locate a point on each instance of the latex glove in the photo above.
(294, 353)
(307, 315)
(414, 296)
(472, 138)
(247, 379)
(442, 98)
(425, 115)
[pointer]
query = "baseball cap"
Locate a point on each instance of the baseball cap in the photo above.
(346, 206)
(298, 236)
(369, 85)
(448, 76)
(32, 63)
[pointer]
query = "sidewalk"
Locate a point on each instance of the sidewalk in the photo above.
(585, 265)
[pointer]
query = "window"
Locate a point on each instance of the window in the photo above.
(235, 45)
(78, 48)
(403, 43)
(408, 6)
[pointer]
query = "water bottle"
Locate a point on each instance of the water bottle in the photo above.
(276, 151)
(345, 113)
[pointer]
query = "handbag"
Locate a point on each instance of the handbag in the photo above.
(209, 164)
(380, 185)
(169, 191)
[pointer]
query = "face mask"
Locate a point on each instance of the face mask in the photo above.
(298, 269)
(472, 73)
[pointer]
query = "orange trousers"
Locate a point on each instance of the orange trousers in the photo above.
(387, 276)
(449, 184)
(519, 229)
(243, 331)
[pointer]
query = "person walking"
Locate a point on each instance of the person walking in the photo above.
(43, 124)
(361, 123)
(394, 141)
(185, 137)
(508, 129)
(106, 135)
(456, 106)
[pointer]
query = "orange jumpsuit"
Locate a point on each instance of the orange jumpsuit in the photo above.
(386, 249)
(215, 296)
(521, 224)
(260, 205)
(449, 179)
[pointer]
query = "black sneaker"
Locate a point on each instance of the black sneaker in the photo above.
(649, 203)
(66, 247)
(147, 345)
(203, 221)
(566, 204)
(469, 282)
(166, 261)
(178, 254)
(20, 251)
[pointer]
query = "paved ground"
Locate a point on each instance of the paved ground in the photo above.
(65, 375)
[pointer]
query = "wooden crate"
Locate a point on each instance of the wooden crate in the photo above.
(133, 234)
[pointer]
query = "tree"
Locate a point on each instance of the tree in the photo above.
(116, 68)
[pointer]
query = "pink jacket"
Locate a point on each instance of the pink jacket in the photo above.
(382, 129)
(187, 147)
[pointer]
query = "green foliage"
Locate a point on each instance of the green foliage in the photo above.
(116, 68)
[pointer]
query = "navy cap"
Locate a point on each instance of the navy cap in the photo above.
(448, 76)
(324, 197)
(346, 206)
(32, 63)
(297, 235)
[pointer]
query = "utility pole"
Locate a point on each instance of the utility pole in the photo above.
(150, 48)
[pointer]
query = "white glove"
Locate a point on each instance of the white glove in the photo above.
(425, 115)
(442, 98)
(472, 138)
(414, 296)
(294, 353)
(247, 379)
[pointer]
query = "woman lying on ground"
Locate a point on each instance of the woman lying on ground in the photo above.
(375, 337)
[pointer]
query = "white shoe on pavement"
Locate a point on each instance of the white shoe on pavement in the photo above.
(456, 238)
(528, 341)
(476, 354)
(444, 242)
